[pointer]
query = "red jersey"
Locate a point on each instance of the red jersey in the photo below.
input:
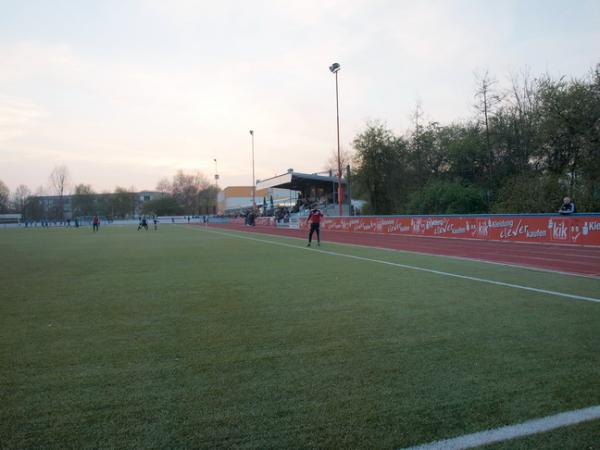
(315, 216)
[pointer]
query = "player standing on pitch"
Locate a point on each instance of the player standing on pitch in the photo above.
(96, 223)
(315, 220)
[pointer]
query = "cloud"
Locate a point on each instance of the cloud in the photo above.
(17, 117)
(171, 85)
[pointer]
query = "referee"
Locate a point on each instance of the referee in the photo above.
(315, 220)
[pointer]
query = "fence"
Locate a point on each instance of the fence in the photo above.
(577, 229)
(582, 229)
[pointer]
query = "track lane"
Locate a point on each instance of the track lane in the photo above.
(560, 258)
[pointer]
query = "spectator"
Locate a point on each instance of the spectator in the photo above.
(568, 207)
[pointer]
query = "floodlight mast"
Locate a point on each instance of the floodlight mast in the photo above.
(216, 174)
(335, 68)
(253, 177)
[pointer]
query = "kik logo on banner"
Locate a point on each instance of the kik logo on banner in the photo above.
(559, 229)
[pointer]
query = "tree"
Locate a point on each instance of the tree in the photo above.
(381, 159)
(487, 100)
(84, 200)
(529, 147)
(417, 150)
(20, 197)
(186, 189)
(4, 197)
(523, 119)
(533, 194)
(59, 180)
(346, 158)
(208, 200)
(104, 204)
(466, 156)
(34, 208)
(164, 186)
(123, 202)
(163, 206)
(428, 153)
(439, 197)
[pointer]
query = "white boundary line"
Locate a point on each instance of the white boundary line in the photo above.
(514, 431)
(417, 268)
(460, 258)
(488, 436)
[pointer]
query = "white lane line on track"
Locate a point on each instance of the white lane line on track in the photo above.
(417, 268)
(440, 255)
(514, 431)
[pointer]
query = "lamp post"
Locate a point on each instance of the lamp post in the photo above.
(335, 68)
(216, 174)
(253, 177)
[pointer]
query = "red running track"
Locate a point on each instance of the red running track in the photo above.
(561, 258)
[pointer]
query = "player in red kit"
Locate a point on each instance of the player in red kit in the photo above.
(314, 218)
(96, 223)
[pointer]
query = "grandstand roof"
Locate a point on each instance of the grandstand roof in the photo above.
(297, 181)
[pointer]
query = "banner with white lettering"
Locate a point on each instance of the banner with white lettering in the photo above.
(579, 229)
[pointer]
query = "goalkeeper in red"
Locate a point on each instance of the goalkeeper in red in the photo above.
(314, 218)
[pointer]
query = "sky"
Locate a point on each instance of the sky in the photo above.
(126, 92)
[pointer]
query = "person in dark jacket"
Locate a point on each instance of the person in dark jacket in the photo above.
(314, 218)
(96, 223)
(568, 207)
(143, 224)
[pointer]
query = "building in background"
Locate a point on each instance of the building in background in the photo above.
(67, 207)
(236, 199)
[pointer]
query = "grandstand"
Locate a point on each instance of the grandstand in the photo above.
(310, 189)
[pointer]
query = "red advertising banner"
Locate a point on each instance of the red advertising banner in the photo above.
(257, 221)
(580, 229)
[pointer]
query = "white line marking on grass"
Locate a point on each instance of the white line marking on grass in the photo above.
(441, 255)
(420, 269)
(468, 258)
(514, 431)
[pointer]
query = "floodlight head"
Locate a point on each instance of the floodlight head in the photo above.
(252, 132)
(334, 67)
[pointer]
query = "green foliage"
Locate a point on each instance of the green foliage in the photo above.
(207, 200)
(83, 200)
(33, 208)
(380, 156)
(163, 206)
(123, 202)
(529, 193)
(439, 197)
(532, 146)
(4, 197)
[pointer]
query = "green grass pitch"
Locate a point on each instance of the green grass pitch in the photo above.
(190, 338)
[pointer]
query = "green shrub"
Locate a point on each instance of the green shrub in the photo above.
(441, 197)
